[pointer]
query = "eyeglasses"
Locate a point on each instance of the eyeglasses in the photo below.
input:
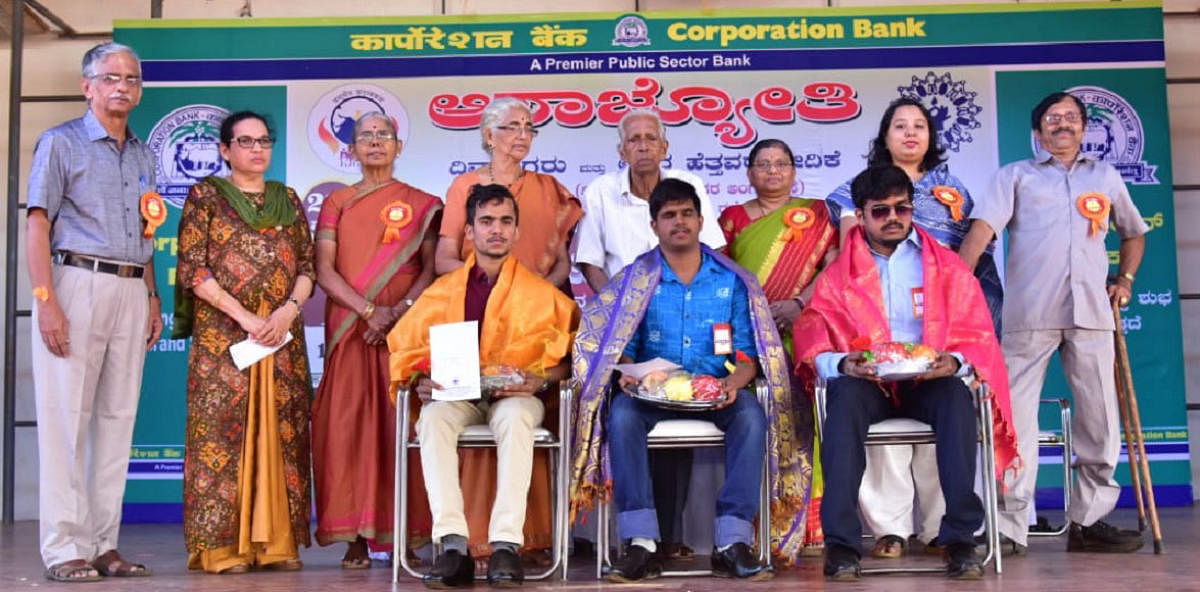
(782, 165)
(1070, 117)
(516, 129)
(884, 211)
(247, 142)
(379, 136)
(115, 79)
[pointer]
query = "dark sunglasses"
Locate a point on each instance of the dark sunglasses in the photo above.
(884, 211)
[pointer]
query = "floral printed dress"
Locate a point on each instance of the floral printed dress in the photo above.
(255, 267)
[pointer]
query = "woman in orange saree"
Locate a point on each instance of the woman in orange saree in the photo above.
(549, 214)
(784, 241)
(374, 250)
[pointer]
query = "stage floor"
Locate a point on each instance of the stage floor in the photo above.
(1047, 567)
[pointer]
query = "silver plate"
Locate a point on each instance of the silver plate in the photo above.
(902, 370)
(642, 395)
(898, 376)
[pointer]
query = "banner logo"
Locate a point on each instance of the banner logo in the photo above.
(1114, 134)
(185, 143)
(631, 31)
(331, 121)
(950, 104)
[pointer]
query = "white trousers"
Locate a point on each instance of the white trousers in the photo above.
(512, 420)
(86, 406)
(894, 474)
(1087, 359)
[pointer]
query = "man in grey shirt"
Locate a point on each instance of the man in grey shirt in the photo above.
(1057, 208)
(96, 312)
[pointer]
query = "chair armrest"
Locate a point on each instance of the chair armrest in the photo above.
(819, 389)
(1061, 402)
(566, 410)
(763, 392)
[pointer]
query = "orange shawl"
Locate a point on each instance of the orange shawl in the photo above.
(847, 307)
(528, 322)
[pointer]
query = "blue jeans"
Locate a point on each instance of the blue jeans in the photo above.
(745, 427)
(993, 292)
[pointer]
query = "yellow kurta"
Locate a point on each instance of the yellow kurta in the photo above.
(527, 322)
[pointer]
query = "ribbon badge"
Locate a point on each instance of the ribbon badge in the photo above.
(797, 220)
(951, 198)
(1094, 207)
(154, 211)
(395, 216)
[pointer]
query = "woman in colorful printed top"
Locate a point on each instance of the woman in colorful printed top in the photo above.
(246, 266)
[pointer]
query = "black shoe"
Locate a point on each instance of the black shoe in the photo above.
(962, 564)
(451, 570)
(1008, 547)
(739, 562)
(1102, 537)
(504, 569)
(841, 564)
(636, 564)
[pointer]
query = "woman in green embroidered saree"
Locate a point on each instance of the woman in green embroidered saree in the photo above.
(784, 241)
(246, 266)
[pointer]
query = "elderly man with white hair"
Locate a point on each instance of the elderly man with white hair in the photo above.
(92, 214)
(616, 227)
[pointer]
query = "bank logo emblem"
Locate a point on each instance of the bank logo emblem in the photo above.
(331, 121)
(185, 144)
(631, 31)
(950, 104)
(1114, 134)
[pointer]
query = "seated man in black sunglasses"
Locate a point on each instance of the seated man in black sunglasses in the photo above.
(893, 283)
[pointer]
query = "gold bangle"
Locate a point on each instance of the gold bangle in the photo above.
(367, 311)
(1128, 276)
(217, 300)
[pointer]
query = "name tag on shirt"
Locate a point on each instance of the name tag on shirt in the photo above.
(722, 339)
(918, 302)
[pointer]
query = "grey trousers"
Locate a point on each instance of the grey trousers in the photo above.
(86, 406)
(1087, 359)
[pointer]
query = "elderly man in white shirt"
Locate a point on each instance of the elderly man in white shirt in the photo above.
(615, 229)
(616, 225)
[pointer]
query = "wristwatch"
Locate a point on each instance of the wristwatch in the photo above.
(1127, 275)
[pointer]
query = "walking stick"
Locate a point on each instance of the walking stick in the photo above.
(1130, 444)
(1136, 419)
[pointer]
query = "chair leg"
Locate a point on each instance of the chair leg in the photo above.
(991, 491)
(399, 491)
(400, 503)
(601, 537)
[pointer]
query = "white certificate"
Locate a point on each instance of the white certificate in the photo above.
(245, 353)
(454, 361)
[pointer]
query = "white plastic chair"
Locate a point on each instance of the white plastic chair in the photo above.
(907, 431)
(1060, 440)
(480, 436)
(693, 433)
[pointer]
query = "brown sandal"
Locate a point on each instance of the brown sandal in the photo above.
(888, 546)
(70, 571)
(285, 565)
(357, 556)
(111, 564)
